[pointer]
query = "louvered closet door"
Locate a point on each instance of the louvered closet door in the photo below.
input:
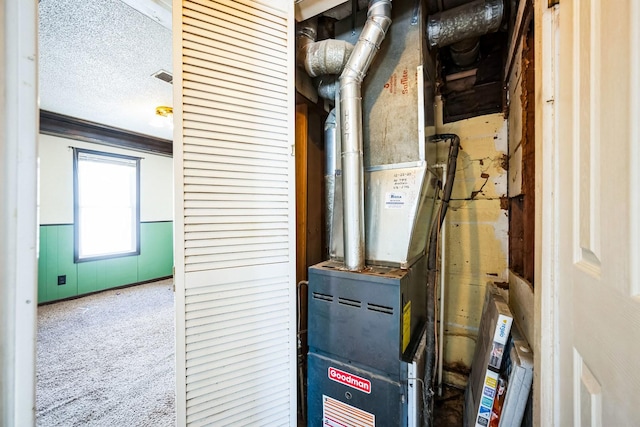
(235, 213)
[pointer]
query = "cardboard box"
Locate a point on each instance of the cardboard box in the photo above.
(493, 334)
(519, 371)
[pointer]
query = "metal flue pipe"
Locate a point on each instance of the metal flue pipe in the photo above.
(373, 33)
(327, 86)
(330, 147)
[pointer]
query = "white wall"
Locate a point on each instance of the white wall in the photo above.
(477, 233)
(56, 181)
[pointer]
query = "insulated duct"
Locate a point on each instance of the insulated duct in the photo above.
(323, 57)
(464, 22)
(373, 33)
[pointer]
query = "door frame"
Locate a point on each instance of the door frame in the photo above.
(546, 346)
(18, 213)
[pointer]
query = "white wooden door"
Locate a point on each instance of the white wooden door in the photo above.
(598, 216)
(235, 212)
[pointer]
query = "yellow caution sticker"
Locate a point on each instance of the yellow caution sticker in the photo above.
(406, 325)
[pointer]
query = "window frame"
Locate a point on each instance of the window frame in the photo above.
(76, 207)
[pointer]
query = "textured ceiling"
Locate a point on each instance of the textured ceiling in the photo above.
(96, 60)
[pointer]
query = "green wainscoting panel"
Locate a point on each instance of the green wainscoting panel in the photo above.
(56, 259)
(155, 260)
(88, 277)
(65, 263)
(119, 271)
(58, 256)
(42, 266)
(48, 254)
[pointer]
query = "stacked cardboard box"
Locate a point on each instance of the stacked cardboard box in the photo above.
(518, 368)
(493, 335)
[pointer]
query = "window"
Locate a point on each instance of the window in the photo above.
(106, 205)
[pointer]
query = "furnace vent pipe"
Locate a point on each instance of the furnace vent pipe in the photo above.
(373, 33)
(323, 57)
(330, 147)
(327, 86)
(464, 22)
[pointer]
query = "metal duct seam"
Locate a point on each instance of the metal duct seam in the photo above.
(467, 21)
(373, 33)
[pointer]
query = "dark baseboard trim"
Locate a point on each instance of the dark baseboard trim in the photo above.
(105, 290)
(82, 130)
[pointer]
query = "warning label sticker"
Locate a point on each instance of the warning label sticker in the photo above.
(339, 414)
(406, 325)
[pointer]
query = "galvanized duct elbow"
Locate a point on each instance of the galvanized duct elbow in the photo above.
(327, 86)
(373, 33)
(464, 22)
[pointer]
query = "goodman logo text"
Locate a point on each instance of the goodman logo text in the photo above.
(350, 380)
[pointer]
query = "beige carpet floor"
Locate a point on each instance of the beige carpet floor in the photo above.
(108, 359)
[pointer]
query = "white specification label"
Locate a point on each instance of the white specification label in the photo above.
(395, 200)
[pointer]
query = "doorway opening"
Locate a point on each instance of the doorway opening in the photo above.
(105, 348)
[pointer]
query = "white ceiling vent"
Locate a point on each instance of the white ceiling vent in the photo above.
(163, 75)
